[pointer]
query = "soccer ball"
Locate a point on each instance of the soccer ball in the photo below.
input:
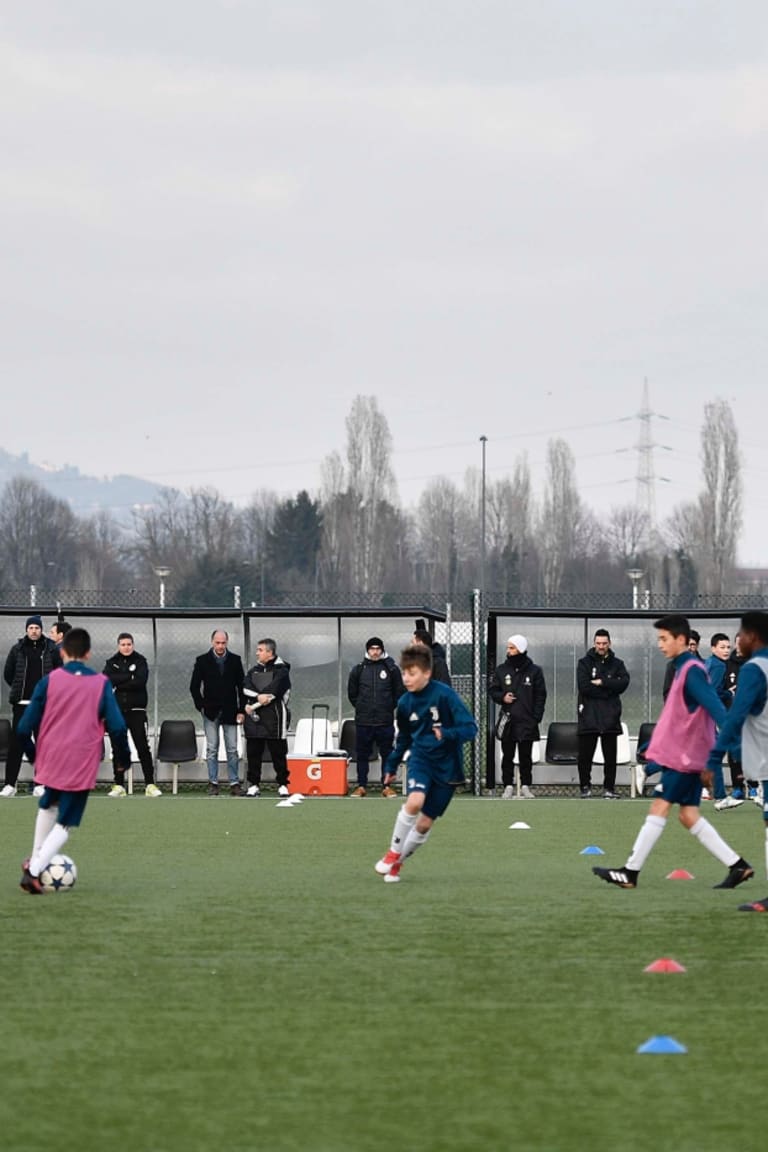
(60, 874)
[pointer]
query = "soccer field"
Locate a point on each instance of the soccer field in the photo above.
(232, 975)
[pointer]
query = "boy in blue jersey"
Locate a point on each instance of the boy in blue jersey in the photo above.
(433, 722)
(744, 732)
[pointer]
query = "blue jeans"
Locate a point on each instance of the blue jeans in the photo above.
(211, 729)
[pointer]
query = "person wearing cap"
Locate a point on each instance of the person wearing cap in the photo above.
(519, 688)
(600, 678)
(31, 658)
(374, 688)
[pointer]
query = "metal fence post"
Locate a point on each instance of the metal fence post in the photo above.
(478, 695)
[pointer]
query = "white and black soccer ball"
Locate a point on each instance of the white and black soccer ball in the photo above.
(60, 874)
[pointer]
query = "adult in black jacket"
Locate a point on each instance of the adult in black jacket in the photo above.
(601, 678)
(217, 691)
(128, 673)
(267, 692)
(518, 686)
(31, 658)
(440, 669)
(374, 688)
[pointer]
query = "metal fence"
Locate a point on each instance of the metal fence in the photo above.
(323, 644)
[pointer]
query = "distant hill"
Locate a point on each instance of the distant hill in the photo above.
(85, 495)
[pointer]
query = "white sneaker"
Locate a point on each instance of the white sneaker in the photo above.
(9, 790)
(508, 793)
(38, 790)
(757, 800)
(116, 790)
(253, 790)
(526, 793)
(283, 790)
(639, 779)
(152, 790)
(727, 802)
(705, 794)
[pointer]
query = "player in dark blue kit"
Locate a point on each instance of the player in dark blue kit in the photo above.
(433, 722)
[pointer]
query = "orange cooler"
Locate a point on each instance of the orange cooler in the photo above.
(318, 775)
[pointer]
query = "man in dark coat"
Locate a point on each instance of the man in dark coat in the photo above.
(128, 673)
(31, 658)
(217, 691)
(374, 688)
(267, 692)
(601, 678)
(518, 686)
(440, 670)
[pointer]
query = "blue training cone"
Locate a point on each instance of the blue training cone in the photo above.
(662, 1045)
(591, 850)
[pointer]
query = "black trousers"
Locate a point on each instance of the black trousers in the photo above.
(15, 750)
(136, 720)
(525, 747)
(587, 744)
(278, 749)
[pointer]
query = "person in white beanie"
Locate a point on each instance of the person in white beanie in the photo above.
(519, 688)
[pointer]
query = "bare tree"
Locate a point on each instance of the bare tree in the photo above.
(720, 500)
(561, 512)
(626, 532)
(39, 535)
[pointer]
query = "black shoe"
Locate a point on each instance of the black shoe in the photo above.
(213, 789)
(755, 906)
(621, 877)
(584, 793)
(31, 883)
(737, 874)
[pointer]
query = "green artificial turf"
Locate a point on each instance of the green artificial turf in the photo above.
(232, 975)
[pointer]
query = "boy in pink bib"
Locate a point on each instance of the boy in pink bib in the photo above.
(680, 746)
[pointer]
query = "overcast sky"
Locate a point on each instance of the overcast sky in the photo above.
(221, 221)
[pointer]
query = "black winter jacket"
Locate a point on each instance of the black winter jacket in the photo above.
(27, 662)
(519, 674)
(600, 705)
(218, 693)
(128, 676)
(374, 688)
(272, 678)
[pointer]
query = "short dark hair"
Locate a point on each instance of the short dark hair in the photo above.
(695, 635)
(77, 643)
(675, 624)
(603, 632)
(62, 626)
(422, 636)
(718, 636)
(125, 636)
(268, 642)
(416, 655)
(756, 622)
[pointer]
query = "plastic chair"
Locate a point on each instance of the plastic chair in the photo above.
(313, 738)
(562, 743)
(348, 739)
(623, 753)
(643, 736)
(177, 745)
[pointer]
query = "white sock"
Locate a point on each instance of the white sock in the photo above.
(53, 843)
(46, 818)
(403, 825)
(713, 842)
(646, 838)
(414, 841)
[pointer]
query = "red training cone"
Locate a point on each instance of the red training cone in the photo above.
(680, 874)
(664, 965)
